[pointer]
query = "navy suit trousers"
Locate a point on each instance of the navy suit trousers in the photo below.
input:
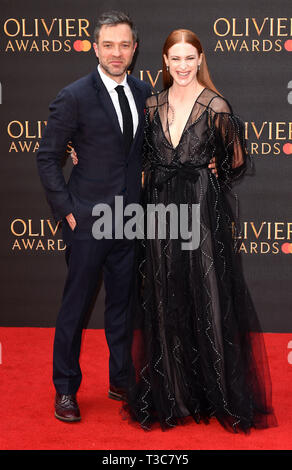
(86, 259)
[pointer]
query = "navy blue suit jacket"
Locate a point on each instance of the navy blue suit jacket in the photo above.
(83, 113)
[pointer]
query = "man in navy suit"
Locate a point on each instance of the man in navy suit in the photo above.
(105, 125)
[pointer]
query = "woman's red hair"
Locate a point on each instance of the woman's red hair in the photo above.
(185, 35)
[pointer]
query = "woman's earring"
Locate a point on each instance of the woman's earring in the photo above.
(167, 68)
(199, 65)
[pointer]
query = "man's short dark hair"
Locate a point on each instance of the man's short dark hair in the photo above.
(113, 18)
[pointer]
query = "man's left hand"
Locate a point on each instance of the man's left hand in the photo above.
(212, 166)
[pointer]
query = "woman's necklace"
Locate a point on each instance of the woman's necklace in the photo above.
(171, 108)
(171, 119)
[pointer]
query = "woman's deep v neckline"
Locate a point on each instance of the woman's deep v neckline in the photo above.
(184, 129)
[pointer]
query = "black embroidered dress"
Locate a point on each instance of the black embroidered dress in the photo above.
(195, 344)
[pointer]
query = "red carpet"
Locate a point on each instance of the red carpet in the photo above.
(27, 395)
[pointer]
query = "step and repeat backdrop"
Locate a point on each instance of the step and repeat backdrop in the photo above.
(47, 45)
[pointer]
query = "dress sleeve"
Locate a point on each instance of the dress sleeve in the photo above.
(151, 106)
(231, 153)
(146, 143)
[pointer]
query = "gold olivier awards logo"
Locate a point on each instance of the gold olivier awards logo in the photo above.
(153, 78)
(264, 238)
(253, 34)
(25, 136)
(46, 35)
(36, 235)
(269, 138)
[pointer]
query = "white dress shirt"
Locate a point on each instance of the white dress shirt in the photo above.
(110, 86)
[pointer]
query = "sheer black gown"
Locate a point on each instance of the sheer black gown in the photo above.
(195, 346)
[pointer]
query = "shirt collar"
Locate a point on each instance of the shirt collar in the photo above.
(108, 82)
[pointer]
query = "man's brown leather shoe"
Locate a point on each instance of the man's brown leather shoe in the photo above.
(117, 393)
(66, 408)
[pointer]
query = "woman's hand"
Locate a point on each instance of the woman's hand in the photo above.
(73, 155)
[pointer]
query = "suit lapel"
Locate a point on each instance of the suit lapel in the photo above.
(140, 105)
(107, 103)
(109, 108)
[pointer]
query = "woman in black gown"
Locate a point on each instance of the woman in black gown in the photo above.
(195, 346)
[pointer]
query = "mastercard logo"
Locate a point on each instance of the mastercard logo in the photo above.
(287, 248)
(288, 45)
(287, 149)
(82, 46)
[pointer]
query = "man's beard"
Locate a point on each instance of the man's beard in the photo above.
(114, 73)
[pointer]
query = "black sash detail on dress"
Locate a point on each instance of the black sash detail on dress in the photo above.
(185, 171)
